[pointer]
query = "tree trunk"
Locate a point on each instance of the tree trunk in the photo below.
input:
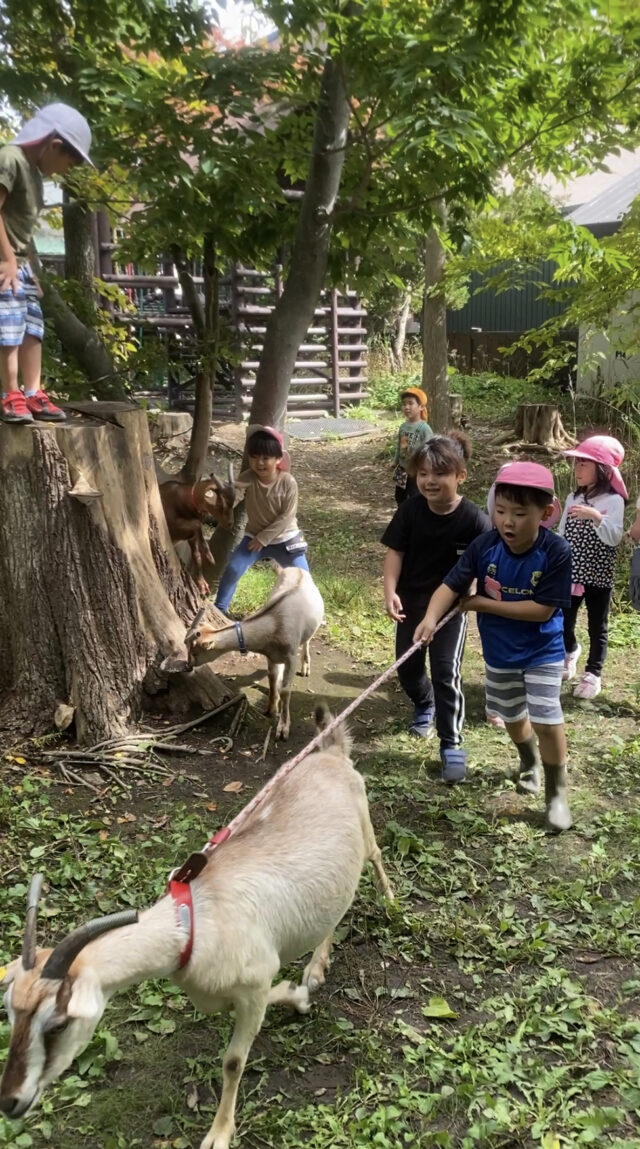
(79, 253)
(540, 424)
(93, 594)
(206, 321)
(402, 319)
(435, 378)
(293, 314)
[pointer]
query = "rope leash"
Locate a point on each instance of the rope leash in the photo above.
(287, 767)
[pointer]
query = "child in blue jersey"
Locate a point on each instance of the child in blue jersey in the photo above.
(524, 582)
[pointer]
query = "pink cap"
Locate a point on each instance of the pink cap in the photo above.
(284, 464)
(527, 474)
(606, 450)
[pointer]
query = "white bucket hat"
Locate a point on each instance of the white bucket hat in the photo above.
(58, 120)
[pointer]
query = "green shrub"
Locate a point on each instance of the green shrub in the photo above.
(487, 393)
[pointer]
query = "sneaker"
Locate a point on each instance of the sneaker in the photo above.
(41, 407)
(495, 720)
(454, 764)
(589, 686)
(13, 408)
(422, 724)
(571, 664)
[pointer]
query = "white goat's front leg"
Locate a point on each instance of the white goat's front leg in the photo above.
(249, 1011)
(316, 971)
(374, 855)
(284, 721)
(274, 670)
(305, 669)
(287, 993)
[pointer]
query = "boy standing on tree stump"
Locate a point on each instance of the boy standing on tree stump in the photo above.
(50, 144)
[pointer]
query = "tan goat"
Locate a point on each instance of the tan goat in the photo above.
(272, 892)
(284, 625)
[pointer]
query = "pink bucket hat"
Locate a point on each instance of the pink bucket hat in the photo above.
(526, 474)
(606, 450)
(284, 464)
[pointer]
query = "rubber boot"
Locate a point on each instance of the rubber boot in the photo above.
(555, 794)
(529, 779)
(530, 768)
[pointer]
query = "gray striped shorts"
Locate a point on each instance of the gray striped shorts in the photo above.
(532, 692)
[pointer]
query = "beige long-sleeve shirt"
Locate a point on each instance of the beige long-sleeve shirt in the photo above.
(271, 508)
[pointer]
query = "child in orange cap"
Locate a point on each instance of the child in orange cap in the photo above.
(413, 434)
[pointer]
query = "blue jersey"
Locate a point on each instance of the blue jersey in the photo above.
(542, 574)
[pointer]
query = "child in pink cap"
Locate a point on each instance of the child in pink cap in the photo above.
(271, 503)
(593, 524)
(523, 574)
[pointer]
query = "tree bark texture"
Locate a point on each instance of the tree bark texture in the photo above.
(435, 378)
(206, 320)
(540, 424)
(79, 257)
(93, 594)
(293, 315)
(400, 336)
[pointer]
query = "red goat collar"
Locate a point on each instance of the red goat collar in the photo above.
(179, 889)
(183, 902)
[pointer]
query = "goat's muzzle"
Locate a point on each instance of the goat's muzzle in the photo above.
(14, 1107)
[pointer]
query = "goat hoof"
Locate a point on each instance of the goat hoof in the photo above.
(282, 733)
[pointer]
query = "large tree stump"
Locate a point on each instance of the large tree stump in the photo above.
(93, 595)
(540, 424)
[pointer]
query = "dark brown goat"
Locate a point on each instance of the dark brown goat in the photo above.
(187, 505)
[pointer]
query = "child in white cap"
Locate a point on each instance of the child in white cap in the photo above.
(49, 144)
(524, 581)
(593, 524)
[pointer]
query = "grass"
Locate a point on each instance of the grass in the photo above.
(493, 1006)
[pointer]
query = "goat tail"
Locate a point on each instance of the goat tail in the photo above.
(339, 738)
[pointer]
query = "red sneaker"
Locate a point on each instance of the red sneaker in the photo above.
(13, 408)
(41, 407)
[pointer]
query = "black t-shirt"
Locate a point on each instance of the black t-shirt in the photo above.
(431, 544)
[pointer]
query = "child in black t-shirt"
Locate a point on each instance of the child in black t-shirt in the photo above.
(425, 539)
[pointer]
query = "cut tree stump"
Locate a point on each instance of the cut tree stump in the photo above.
(93, 595)
(540, 424)
(170, 428)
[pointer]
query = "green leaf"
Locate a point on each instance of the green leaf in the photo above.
(438, 1007)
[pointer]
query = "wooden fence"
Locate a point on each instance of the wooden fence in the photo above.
(331, 368)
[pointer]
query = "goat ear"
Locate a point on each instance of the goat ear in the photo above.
(87, 1000)
(239, 490)
(8, 973)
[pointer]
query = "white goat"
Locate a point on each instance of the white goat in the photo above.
(274, 891)
(285, 624)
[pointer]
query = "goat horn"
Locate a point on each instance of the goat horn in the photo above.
(231, 475)
(57, 964)
(194, 625)
(29, 941)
